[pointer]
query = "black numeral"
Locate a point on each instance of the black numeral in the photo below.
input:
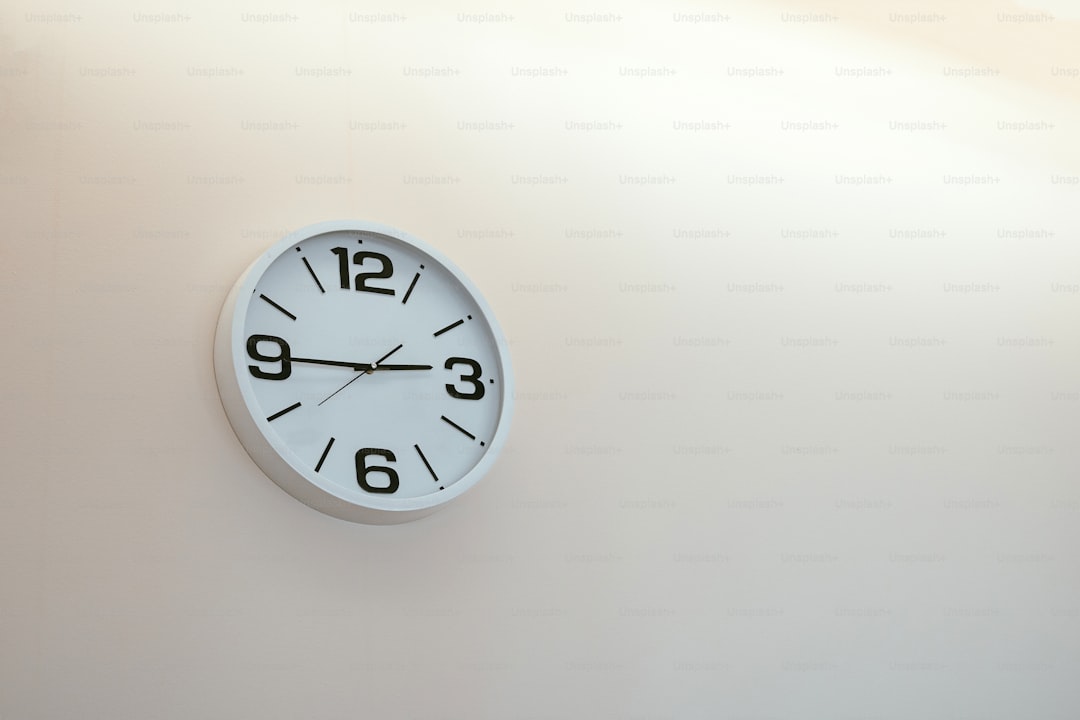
(343, 266)
(472, 378)
(361, 279)
(362, 470)
(282, 357)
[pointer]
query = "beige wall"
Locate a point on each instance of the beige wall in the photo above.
(786, 449)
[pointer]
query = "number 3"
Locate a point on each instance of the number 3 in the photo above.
(472, 378)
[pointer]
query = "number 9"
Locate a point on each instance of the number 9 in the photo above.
(282, 357)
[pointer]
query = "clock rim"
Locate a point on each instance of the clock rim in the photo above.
(274, 457)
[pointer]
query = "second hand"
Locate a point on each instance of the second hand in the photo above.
(362, 374)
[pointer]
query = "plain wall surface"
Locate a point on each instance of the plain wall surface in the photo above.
(792, 292)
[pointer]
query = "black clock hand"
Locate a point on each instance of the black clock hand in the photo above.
(313, 361)
(359, 366)
(372, 367)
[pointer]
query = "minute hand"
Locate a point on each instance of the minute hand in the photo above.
(338, 363)
(359, 366)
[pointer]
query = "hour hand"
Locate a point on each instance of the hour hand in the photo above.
(377, 367)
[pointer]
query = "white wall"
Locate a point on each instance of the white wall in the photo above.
(799, 449)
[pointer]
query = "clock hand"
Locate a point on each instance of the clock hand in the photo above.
(371, 368)
(313, 361)
(359, 366)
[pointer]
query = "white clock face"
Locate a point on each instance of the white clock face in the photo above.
(371, 367)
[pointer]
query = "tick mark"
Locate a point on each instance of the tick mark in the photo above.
(458, 427)
(279, 413)
(322, 458)
(313, 275)
(449, 327)
(291, 316)
(411, 286)
(426, 464)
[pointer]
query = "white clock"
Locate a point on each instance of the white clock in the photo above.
(363, 372)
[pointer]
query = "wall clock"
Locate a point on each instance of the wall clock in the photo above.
(363, 372)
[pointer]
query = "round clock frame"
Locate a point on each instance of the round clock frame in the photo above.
(297, 475)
